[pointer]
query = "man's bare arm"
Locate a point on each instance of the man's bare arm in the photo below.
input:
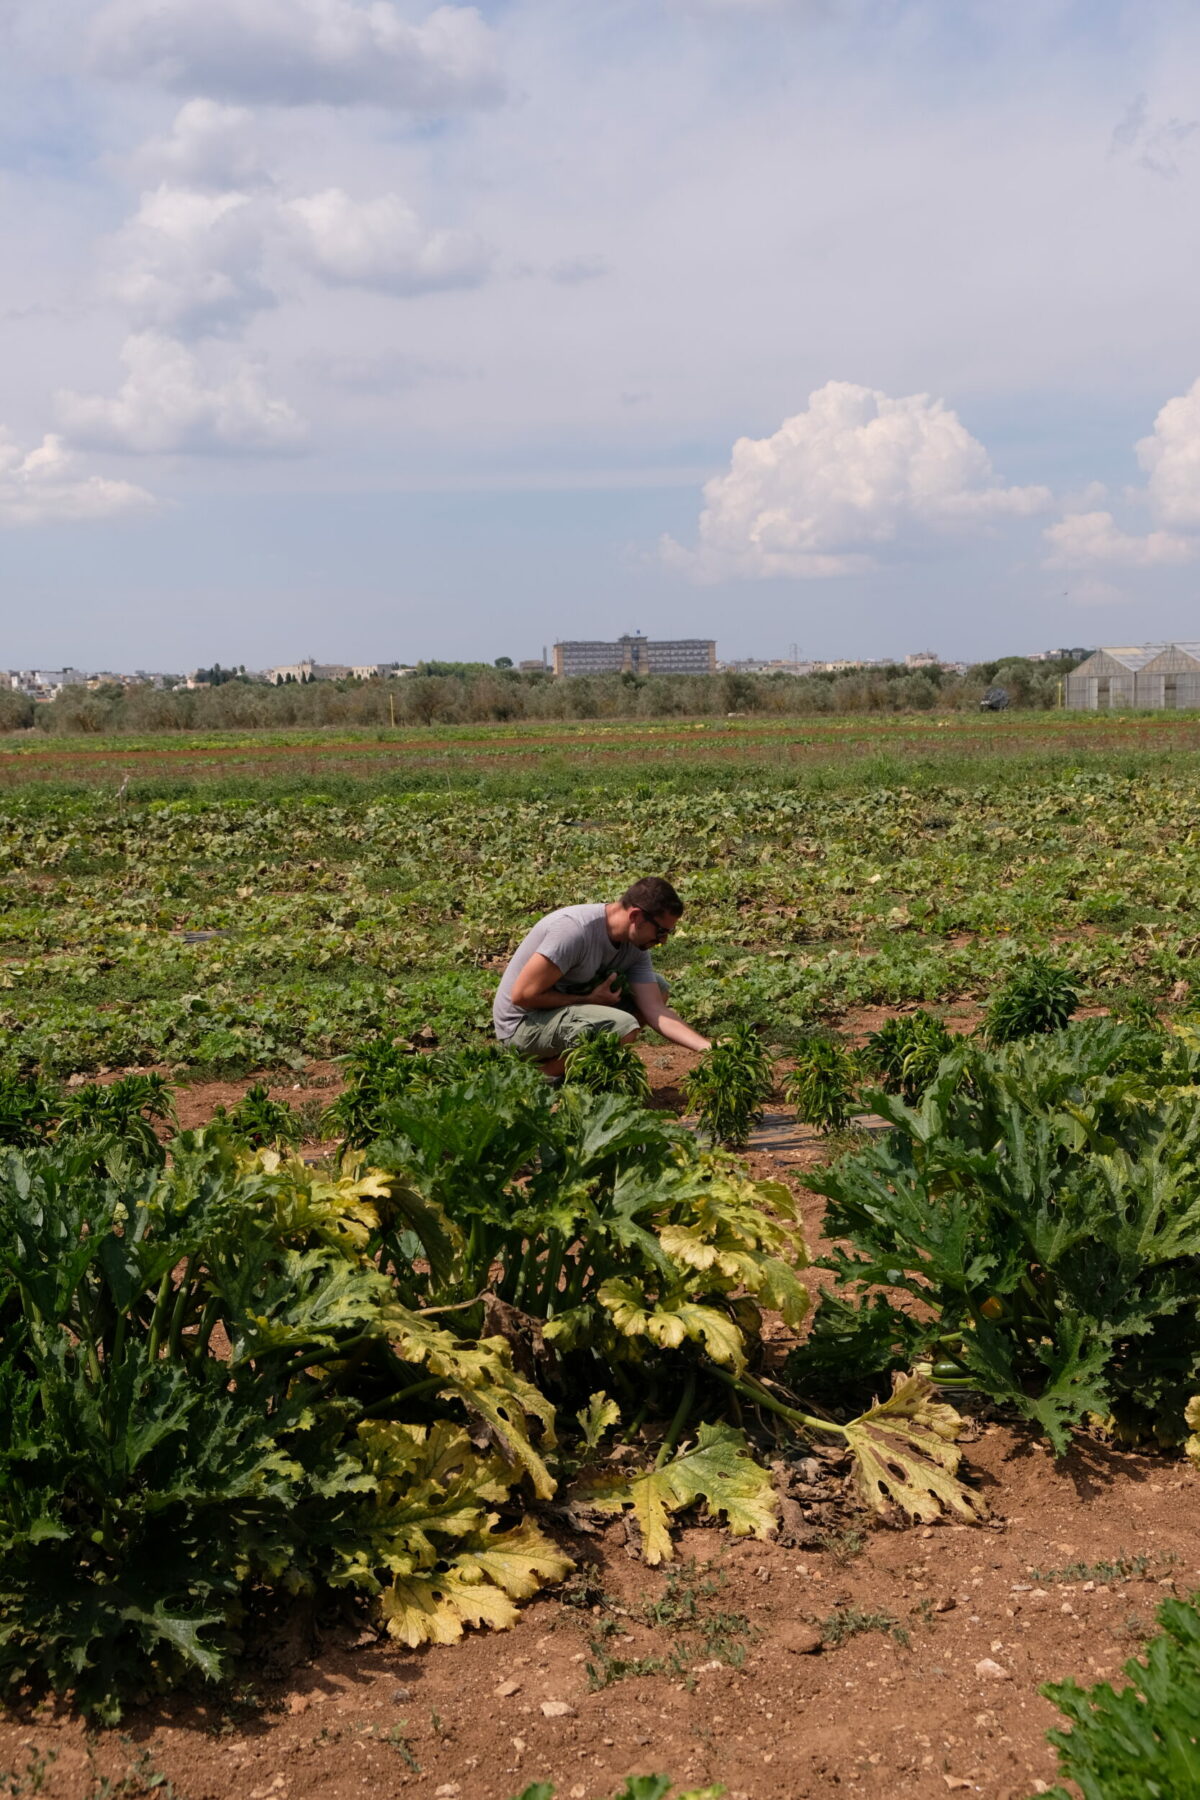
(534, 991)
(654, 1012)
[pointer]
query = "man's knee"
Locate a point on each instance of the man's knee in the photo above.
(621, 1024)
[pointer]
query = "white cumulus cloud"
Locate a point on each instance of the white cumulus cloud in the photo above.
(42, 486)
(1084, 538)
(380, 243)
(210, 145)
(301, 52)
(1171, 458)
(190, 262)
(855, 470)
(165, 404)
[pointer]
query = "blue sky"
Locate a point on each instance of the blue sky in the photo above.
(364, 330)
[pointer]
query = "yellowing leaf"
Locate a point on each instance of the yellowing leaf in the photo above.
(336, 1207)
(491, 1571)
(483, 1378)
(1191, 1418)
(717, 1470)
(434, 1609)
(905, 1454)
(519, 1561)
(668, 1323)
(597, 1417)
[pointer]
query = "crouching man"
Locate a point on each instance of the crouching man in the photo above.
(561, 984)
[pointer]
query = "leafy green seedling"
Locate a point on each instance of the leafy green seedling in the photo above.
(822, 1085)
(730, 1085)
(1039, 997)
(907, 1051)
(845, 1622)
(604, 1065)
(263, 1122)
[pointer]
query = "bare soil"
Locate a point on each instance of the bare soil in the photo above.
(935, 1640)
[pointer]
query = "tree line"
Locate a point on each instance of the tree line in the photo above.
(476, 694)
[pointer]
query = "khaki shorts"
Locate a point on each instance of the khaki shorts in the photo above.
(549, 1034)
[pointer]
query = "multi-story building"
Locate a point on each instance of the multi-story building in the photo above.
(42, 684)
(308, 670)
(636, 655)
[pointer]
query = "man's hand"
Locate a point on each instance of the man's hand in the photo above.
(607, 994)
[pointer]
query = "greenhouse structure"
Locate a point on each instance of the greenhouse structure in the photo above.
(1146, 676)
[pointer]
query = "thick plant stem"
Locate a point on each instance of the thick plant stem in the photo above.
(526, 1273)
(760, 1397)
(415, 1392)
(557, 1249)
(182, 1300)
(639, 1418)
(671, 1441)
(159, 1317)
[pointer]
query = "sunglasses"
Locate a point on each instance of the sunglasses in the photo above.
(661, 931)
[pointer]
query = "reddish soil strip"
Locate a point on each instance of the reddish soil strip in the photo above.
(798, 740)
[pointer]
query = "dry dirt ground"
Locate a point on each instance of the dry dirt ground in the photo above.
(936, 1641)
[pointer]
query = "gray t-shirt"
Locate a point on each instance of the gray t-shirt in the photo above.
(575, 939)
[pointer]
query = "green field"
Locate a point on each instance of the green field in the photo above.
(350, 895)
(237, 1366)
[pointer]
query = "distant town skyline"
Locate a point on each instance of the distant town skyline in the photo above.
(453, 329)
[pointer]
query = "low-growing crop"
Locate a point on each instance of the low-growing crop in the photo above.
(379, 1071)
(604, 1065)
(635, 1787)
(1038, 997)
(122, 1112)
(1142, 1742)
(1040, 1208)
(29, 1109)
(262, 1122)
(730, 1085)
(206, 1384)
(905, 1053)
(823, 1084)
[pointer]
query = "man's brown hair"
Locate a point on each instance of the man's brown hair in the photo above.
(653, 895)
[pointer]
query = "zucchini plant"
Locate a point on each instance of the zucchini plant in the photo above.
(207, 1385)
(1040, 1206)
(1140, 1742)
